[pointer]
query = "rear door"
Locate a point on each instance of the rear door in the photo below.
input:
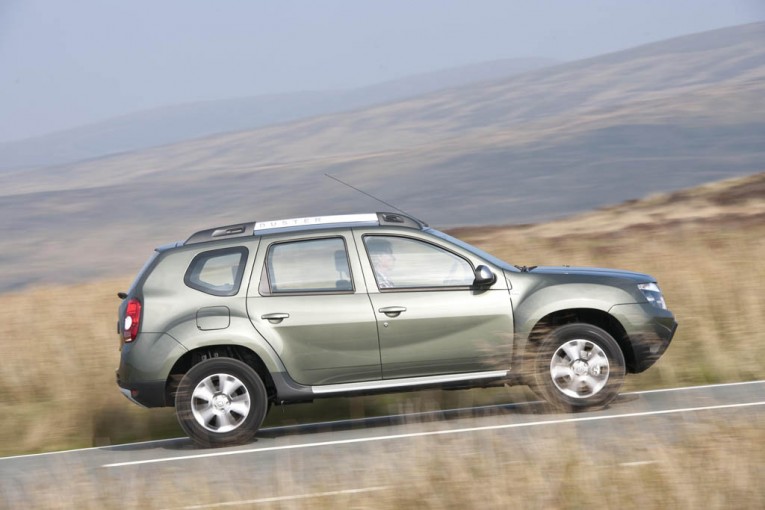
(308, 299)
(431, 320)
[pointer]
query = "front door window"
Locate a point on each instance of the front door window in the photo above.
(404, 263)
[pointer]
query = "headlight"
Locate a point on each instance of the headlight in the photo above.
(652, 293)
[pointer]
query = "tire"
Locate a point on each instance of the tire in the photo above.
(578, 366)
(221, 402)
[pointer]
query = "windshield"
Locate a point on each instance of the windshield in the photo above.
(469, 247)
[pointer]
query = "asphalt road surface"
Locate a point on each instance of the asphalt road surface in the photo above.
(337, 459)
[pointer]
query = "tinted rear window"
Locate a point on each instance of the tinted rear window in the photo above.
(217, 272)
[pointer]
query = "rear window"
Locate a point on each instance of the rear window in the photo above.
(217, 272)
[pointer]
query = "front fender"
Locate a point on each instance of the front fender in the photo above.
(537, 303)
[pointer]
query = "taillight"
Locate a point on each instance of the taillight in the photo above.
(132, 320)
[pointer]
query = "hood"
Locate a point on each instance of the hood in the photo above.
(593, 271)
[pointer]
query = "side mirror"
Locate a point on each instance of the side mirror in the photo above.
(484, 276)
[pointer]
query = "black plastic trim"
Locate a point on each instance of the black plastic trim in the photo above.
(658, 341)
(148, 394)
(224, 232)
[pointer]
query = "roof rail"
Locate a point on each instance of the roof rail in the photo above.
(400, 220)
(257, 227)
(316, 220)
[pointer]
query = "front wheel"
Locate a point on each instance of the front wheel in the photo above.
(578, 366)
(221, 402)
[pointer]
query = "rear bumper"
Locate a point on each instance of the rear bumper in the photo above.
(145, 394)
(129, 395)
(144, 368)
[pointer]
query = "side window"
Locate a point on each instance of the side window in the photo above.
(217, 272)
(400, 262)
(317, 265)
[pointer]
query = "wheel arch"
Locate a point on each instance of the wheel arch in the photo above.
(234, 351)
(595, 317)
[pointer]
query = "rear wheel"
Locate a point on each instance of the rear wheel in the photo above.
(578, 366)
(221, 402)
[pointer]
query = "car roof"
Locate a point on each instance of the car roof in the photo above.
(307, 223)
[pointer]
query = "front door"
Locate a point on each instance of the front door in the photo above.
(431, 319)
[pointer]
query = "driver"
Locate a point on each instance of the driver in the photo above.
(383, 261)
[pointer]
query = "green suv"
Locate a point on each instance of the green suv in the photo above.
(240, 317)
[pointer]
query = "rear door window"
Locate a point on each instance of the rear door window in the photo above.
(308, 266)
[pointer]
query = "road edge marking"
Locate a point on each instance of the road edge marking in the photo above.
(431, 433)
(327, 423)
(702, 387)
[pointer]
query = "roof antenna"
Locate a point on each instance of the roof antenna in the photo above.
(372, 196)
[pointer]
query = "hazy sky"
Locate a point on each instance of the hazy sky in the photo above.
(67, 63)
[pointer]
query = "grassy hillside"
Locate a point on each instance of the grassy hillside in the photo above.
(533, 147)
(705, 245)
(171, 124)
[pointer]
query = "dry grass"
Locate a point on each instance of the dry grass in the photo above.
(713, 277)
(59, 349)
(59, 345)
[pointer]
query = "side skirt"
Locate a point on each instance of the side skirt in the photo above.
(289, 391)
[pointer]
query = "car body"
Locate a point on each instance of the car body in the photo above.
(241, 317)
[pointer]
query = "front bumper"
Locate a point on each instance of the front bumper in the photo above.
(648, 348)
(649, 331)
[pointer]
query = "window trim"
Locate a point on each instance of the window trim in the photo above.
(264, 286)
(415, 289)
(194, 270)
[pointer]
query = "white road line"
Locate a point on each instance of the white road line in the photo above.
(432, 433)
(93, 448)
(326, 423)
(286, 498)
(707, 386)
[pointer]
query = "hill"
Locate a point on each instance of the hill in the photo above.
(176, 123)
(736, 203)
(533, 147)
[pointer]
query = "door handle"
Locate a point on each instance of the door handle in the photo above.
(275, 318)
(392, 311)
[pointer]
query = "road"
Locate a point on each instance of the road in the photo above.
(341, 459)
